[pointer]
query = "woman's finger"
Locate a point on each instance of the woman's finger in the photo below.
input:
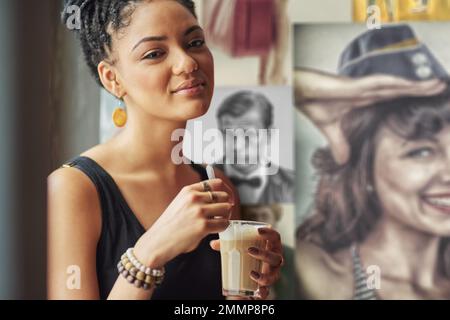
(213, 185)
(377, 88)
(265, 279)
(412, 90)
(217, 225)
(215, 244)
(207, 185)
(263, 293)
(223, 186)
(422, 90)
(380, 82)
(212, 196)
(273, 238)
(371, 97)
(272, 258)
(217, 210)
(423, 85)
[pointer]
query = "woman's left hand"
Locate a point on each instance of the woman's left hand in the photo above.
(271, 256)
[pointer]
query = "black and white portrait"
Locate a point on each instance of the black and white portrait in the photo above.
(255, 125)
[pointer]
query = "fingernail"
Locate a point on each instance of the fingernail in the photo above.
(262, 231)
(255, 274)
(253, 250)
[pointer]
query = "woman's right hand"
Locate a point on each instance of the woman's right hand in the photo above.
(326, 98)
(189, 218)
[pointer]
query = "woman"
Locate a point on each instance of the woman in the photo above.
(127, 192)
(381, 225)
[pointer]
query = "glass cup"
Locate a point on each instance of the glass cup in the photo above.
(235, 260)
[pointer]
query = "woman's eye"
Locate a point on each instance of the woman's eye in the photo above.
(154, 55)
(420, 153)
(196, 43)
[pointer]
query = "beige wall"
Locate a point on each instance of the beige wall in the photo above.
(319, 11)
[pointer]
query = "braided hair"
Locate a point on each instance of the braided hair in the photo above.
(98, 20)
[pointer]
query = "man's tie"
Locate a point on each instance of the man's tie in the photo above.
(254, 182)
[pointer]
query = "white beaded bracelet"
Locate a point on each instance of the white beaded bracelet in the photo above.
(147, 270)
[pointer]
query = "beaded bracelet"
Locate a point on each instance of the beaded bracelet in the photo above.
(138, 274)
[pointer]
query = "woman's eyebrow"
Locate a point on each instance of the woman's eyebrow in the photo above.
(192, 29)
(163, 38)
(146, 39)
(420, 140)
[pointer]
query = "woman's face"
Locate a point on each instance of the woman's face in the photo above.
(412, 180)
(163, 64)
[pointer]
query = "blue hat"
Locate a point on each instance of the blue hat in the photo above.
(395, 50)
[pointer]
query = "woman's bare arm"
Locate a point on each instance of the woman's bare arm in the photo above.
(74, 226)
(325, 99)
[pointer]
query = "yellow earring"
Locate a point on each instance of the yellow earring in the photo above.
(120, 115)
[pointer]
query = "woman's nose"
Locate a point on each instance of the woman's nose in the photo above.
(184, 63)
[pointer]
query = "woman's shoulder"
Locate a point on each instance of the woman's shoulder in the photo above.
(72, 206)
(71, 191)
(67, 176)
(323, 275)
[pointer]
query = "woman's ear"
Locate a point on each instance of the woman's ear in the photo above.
(109, 79)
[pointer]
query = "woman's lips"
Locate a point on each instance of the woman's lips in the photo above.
(439, 202)
(191, 91)
(191, 87)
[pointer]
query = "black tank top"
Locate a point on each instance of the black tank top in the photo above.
(194, 275)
